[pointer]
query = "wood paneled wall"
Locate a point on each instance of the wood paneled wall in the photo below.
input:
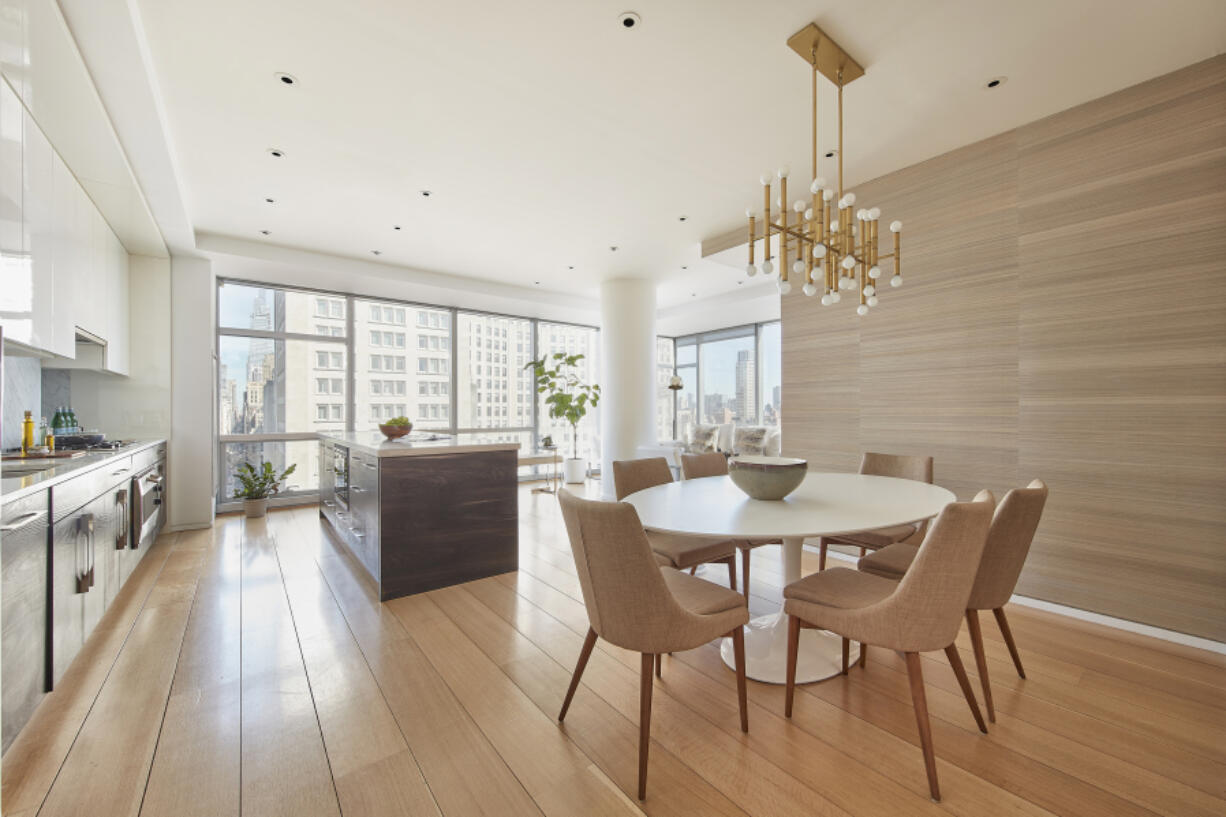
(1063, 317)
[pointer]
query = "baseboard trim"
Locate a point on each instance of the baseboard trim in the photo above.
(187, 526)
(1173, 636)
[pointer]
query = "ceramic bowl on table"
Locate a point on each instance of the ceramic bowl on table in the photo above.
(395, 432)
(767, 478)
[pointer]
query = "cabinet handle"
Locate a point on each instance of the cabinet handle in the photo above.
(329, 504)
(371, 466)
(120, 471)
(357, 489)
(121, 502)
(357, 533)
(23, 520)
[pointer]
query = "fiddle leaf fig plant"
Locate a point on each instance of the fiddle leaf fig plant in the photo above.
(569, 398)
(259, 483)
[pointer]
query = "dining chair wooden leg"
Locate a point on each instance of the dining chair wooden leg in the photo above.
(981, 660)
(644, 720)
(745, 572)
(742, 694)
(955, 661)
(732, 571)
(584, 655)
(1003, 623)
(821, 554)
(863, 552)
(659, 663)
(846, 652)
(693, 570)
(916, 675)
(793, 649)
(863, 654)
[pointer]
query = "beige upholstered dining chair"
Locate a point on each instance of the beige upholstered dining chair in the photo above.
(634, 604)
(715, 464)
(884, 465)
(672, 550)
(920, 613)
(1013, 527)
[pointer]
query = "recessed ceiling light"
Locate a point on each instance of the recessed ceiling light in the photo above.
(571, 267)
(830, 154)
(395, 226)
(376, 252)
(270, 201)
(287, 79)
(612, 249)
(693, 294)
(738, 283)
(629, 19)
(426, 193)
(276, 153)
(538, 283)
(996, 82)
(682, 218)
(264, 232)
(683, 266)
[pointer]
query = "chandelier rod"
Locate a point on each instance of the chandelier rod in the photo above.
(814, 146)
(840, 134)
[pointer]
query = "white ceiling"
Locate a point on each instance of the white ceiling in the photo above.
(547, 133)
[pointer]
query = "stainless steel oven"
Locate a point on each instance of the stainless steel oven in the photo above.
(340, 475)
(147, 490)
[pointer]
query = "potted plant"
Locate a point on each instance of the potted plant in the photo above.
(257, 484)
(568, 399)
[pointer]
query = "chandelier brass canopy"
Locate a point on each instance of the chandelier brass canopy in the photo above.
(836, 247)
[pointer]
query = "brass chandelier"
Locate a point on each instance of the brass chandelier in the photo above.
(836, 247)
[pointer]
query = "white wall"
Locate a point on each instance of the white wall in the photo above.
(756, 304)
(191, 455)
(253, 261)
(628, 377)
(137, 406)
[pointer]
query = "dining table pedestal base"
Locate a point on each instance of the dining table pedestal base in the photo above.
(766, 639)
(766, 652)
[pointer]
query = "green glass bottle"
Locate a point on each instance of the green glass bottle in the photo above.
(57, 421)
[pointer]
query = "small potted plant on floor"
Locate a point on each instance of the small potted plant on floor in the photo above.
(568, 399)
(257, 484)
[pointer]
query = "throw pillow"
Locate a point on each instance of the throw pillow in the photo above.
(750, 440)
(702, 439)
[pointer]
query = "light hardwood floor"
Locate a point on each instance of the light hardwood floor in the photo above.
(250, 669)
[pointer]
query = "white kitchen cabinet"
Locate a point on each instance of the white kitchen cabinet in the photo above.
(38, 233)
(63, 257)
(16, 283)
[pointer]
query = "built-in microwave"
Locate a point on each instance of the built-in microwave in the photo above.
(147, 491)
(340, 475)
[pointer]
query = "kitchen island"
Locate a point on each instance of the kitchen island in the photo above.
(422, 512)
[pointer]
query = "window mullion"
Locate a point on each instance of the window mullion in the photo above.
(351, 404)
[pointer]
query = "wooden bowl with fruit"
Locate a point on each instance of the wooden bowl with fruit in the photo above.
(396, 427)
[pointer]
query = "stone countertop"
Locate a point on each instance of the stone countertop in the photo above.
(418, 443)
(15, 487)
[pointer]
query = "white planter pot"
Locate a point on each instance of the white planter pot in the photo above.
(574, 470)
(255, 507)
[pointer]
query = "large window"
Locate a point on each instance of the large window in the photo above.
(283, 372)
(665, 403)
(493, 389)
(403, 364)
(728, 375)
(292, 363)
(553, 338)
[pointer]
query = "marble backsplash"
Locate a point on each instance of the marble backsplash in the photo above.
(57, 391)
(22, 392)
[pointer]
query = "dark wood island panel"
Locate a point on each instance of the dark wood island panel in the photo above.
(446, 519)
(420, 520)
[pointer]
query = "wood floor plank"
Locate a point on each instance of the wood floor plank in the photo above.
(196, 767)
(464, 772)
(551, 767)
(109, 762)
(36, 755)
(374, 769)
(284, 767)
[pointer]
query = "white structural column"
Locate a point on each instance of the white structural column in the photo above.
(627, 353)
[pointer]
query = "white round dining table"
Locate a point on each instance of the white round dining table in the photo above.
(825, 504)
